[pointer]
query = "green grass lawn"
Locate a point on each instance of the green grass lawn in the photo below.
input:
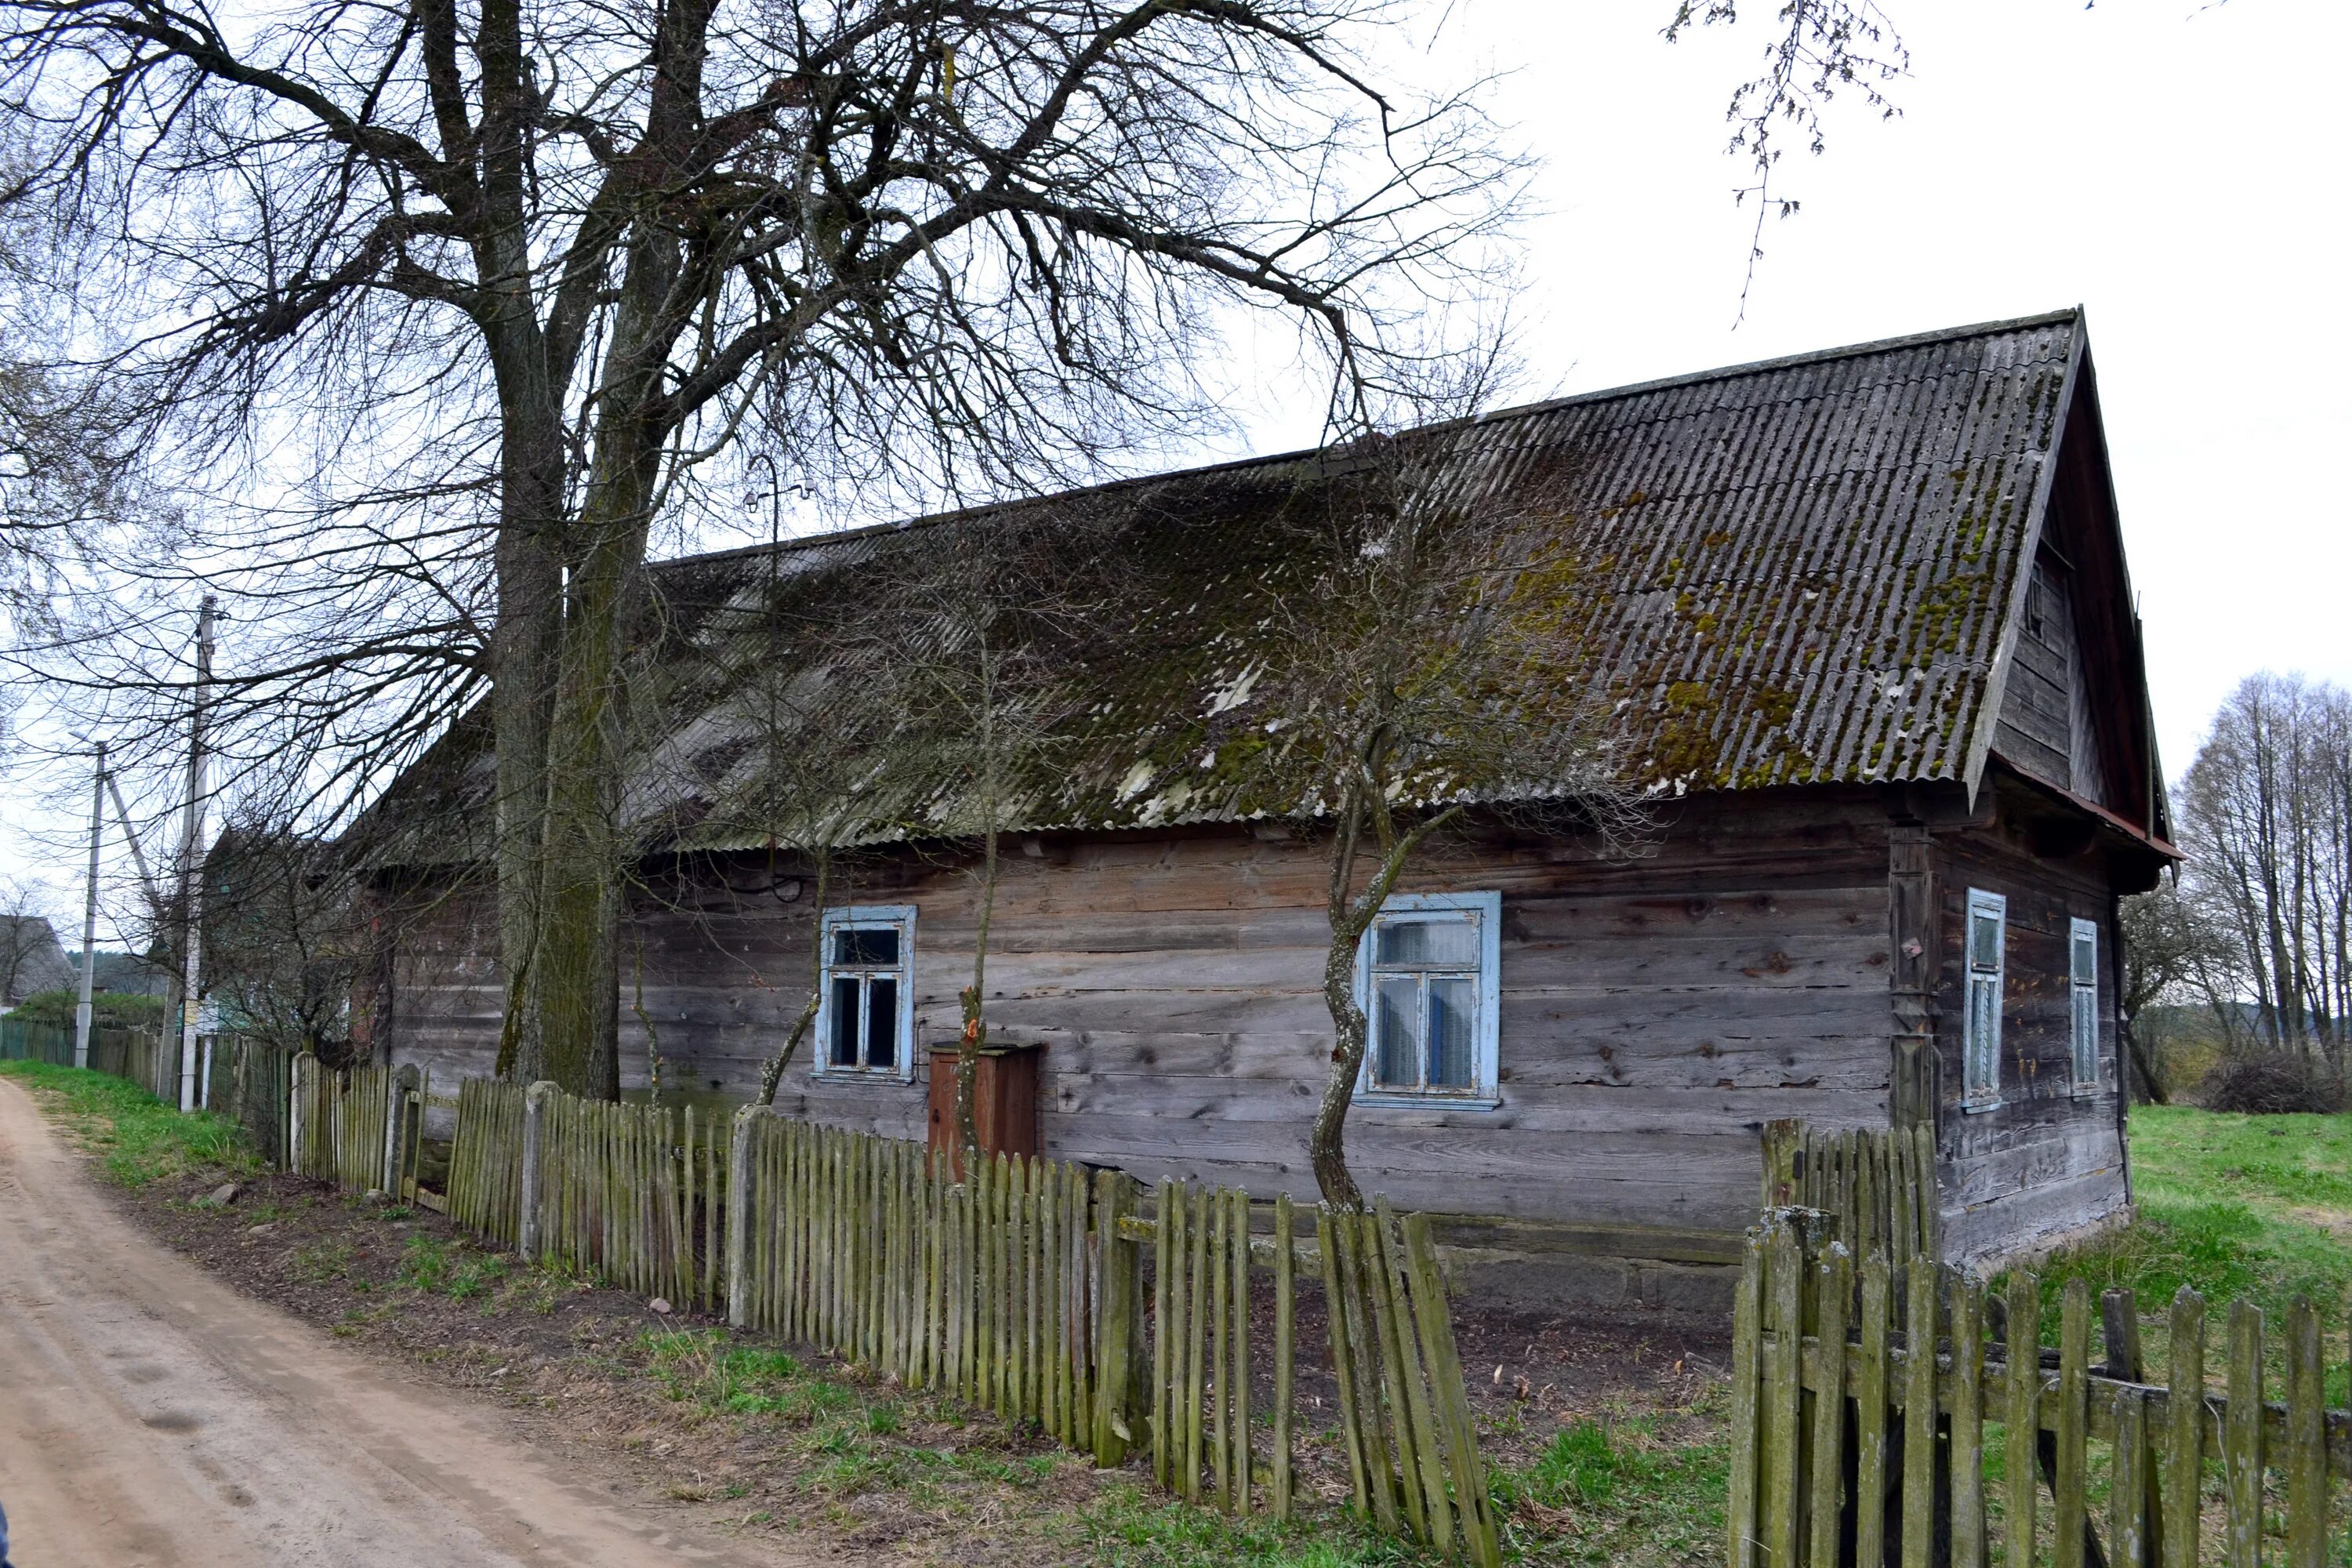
(138, 1137)
(2252, 1206)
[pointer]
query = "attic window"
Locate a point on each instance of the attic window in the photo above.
(865, 1006)
(1426, 977)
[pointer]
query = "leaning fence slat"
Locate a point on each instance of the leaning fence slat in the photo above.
(2021, 1414)
(1784, 1329)
(2184, 1462)
(1746, 1341)
(2242, 1438)
(2127, 1483)
(1870, 1412)
(1967, 1529)
(1285, 1306)
(1414, 1412)
(1919, 1415)
(2306, 1439)
(2069, 1513)
(1833, 1295)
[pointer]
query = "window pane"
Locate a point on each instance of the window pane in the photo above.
(1984, 941)
(1395, 1008)
(875, 947)
(1452, 1007)
(1449, 943)
(846, 1020)
(1984, 1015)
(2087, 1036)
(882, 1021)
(2086, 959)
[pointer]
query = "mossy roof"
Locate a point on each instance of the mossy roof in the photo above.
(1799, 571)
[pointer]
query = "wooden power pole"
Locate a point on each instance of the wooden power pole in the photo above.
(89, 915)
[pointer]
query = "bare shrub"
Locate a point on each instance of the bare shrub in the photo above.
(2273, 1083)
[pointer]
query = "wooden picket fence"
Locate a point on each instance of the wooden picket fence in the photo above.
(1412, 1453)
(250, 1082)
(1039, 1290)
(1860, 1414)
(986, 1288)
(627, 1191)
(1877, 1184)
(340, 1117)
(485, 1182)
(137, 1056)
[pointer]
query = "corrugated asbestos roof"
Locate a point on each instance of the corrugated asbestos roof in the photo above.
(1791, 572)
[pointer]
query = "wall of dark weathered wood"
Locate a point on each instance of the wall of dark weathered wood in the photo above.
(1656, 1010)
(2047, 1160)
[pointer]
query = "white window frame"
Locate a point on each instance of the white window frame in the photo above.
(2083, 1008)
(1484, 911)
(1980, 1050)
(868, 917)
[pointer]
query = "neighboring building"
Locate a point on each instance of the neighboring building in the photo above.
(1864, 618)
(30, 958)
(125, 974)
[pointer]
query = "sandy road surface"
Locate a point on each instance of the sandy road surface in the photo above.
(150, 1415)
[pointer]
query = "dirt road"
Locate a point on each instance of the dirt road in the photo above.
(150, 1415)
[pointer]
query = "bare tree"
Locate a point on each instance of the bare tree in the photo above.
(530, 271)
(1435, 679)
(2265, 813)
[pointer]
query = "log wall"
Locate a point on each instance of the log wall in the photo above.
(2047, 1160)
(1655, 1009)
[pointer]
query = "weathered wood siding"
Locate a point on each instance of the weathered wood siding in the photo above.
(1656, 1010)
(2047, 1160)
(2046, 720)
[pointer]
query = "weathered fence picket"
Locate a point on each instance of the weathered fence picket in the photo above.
(1039, 1290)
(1827, 1352)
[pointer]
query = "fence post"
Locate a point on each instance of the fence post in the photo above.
(1122, 1309)
(739, 1205)
(395, 1130)
(534, 1122)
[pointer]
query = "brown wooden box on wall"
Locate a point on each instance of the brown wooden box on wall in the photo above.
(1003, 1097)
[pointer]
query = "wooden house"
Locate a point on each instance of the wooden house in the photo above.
(1862, 622)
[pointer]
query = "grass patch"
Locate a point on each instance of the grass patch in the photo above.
(2252, 1206)
(139, 1139)
(1642, 1490)
(1131, 1527)
(453, 1269)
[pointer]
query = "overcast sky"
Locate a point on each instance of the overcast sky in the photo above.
(2179, 171)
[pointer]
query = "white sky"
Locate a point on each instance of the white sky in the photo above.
(2179, 171)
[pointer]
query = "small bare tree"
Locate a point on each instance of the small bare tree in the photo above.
(1435, 677)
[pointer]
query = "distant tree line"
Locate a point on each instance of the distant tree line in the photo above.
(2248, 948)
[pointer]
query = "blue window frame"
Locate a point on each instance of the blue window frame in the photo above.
(2082, 998)
(1985, 959)
(1428, 977)
(866, 997)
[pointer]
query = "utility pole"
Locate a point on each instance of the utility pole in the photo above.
(89, 915)
(192, 882)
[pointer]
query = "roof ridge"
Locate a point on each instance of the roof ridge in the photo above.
(1272, 460)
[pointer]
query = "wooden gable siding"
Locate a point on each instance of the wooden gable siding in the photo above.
(2046, 1161)
(2046, 725)
(1656, 1011)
